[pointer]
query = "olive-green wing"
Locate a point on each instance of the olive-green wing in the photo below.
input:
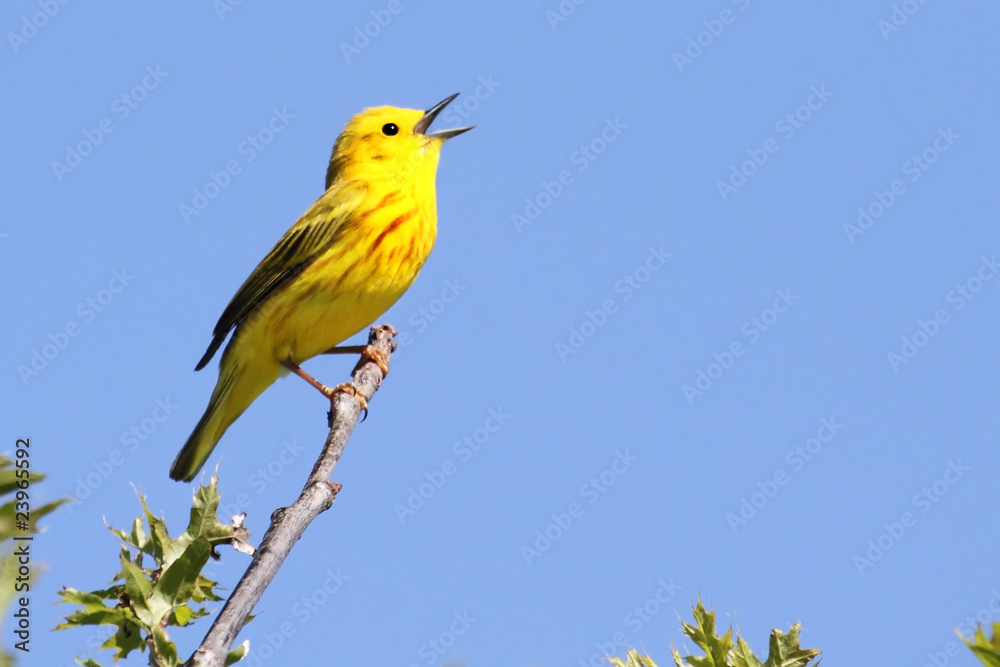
(313, 233)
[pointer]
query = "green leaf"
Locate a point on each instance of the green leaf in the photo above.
(204, 522)
(160, 545)
(8, 524)
(984, 648)
(632, 659)
(80, 597)
(178, 581)
(127, 639)
(988, 657)
(89, 662)
(182, 615)
(743, 656)
(8, 573)
(102, 616)
(165, 649)
(784, 650)
(136, 538)
(205, 590)
(138, 589)
(703, 635)
(241, 651)
(9, 478)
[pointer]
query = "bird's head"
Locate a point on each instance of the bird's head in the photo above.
(390, 140)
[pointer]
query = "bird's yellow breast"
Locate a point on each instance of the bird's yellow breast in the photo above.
(374, 261)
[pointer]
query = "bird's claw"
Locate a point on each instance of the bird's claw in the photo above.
(349, 388)
(381, 359)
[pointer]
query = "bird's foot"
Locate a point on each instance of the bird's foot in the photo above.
(348, 388)
(367, 352)
(381, 359)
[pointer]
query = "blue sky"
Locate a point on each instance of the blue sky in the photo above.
(713, 298)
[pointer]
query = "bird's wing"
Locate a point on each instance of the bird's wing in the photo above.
(314, 232)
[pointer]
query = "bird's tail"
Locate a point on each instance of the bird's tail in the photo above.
(235, 391)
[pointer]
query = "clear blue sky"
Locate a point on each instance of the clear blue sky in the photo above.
(712, 368)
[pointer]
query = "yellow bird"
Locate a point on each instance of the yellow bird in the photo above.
(341, 265)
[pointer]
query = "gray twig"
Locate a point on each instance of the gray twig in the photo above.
(289, 523)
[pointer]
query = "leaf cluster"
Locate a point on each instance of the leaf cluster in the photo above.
(16, 486)
(721, 651)
(987, 649)
(160, 583)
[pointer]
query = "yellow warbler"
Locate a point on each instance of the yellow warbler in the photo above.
(341, 265)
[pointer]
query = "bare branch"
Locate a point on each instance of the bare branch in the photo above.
(289, 523)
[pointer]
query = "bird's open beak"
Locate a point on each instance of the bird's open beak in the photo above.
(431, 114)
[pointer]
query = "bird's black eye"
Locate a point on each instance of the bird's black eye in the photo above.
(390, 129)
